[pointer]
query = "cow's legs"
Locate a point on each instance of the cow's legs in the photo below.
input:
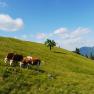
(5, 60)
(32, 62)
(38, 63)
(28, 65)
(20, 64)
(11, 61)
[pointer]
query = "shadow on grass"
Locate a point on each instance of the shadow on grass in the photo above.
(34, 68)
(59, 52)
(40, 70)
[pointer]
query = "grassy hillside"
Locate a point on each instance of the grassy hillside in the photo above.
(61, 71)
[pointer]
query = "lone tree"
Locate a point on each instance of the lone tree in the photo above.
(50, 43)
(77, 51)
(86, 56)
(91, 56)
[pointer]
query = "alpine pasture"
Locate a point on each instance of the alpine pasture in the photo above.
(60, 72)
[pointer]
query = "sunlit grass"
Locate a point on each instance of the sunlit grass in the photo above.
(61, 71)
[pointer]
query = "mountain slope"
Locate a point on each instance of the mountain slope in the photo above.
(87, 51)
(61, 71)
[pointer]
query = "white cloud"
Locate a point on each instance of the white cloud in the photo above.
(60, 31)
(64, 38)
(79, 32)
(69, 39)
(72, 39)
(41, 36)
(3, 4)
(67, 34)
(7, 23)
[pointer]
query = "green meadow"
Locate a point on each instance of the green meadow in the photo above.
(60, 72)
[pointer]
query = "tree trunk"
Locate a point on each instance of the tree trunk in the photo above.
(50, 47)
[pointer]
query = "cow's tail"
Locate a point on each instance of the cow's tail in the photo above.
(39, 61)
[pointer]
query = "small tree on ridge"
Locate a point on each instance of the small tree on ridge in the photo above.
(50, 43)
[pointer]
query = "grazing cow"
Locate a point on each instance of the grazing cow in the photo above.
(8, 57)
(12, 57)
(31, 61)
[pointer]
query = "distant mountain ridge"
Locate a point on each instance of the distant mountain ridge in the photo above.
(87, 51)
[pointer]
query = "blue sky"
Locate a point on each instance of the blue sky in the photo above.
(69, 22)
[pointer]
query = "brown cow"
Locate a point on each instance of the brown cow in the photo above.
(30, 61)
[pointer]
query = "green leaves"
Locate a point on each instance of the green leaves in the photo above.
(50, 43)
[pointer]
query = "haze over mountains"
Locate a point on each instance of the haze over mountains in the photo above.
(87, 51)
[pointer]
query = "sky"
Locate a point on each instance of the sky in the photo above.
(69, 22)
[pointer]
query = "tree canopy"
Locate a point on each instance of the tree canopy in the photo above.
(50, 43)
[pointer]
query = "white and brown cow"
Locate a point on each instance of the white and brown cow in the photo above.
(31, 61)
(12, 57)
